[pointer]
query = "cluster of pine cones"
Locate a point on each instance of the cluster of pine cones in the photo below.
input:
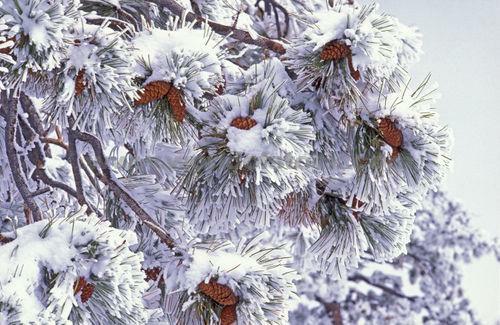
(156, 90)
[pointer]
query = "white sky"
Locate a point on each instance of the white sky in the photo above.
(462, 51)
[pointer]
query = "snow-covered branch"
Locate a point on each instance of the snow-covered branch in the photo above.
(225, 30)
(10, 104)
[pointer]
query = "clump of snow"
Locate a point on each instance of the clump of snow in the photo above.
(103, 58)
(44, 23)
(48, 257)
(261, 279)
(382, 49)
(186, 57)
(271, 157)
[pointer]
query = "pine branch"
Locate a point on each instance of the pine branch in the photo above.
(220, 29)
(10, 104)
(106, 177)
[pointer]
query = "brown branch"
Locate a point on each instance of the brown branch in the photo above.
(220, 29)
(72, 153)
(10, 105)
(359, 277)
(40, 191)
(36, 156)
(34, 120)
(333, 309)
(105, 176)
(56, 142)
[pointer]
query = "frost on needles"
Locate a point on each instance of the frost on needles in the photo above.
(218, 162)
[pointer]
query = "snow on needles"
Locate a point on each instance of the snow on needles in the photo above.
(186, 57)
(259, 276)
(44, 24)
(253, 143)
(48, 257)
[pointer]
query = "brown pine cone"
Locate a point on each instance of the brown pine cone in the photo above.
(228, 315)
(5, 240)
(390, 133)
(220, 293)
(87, 292)
(152, 273)
(335, 50)
(174, 97)
(243, 123)
(153, 91)
(86, 289)
(7, 50)
(80, 82)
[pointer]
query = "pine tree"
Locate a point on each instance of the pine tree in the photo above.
(214, 162)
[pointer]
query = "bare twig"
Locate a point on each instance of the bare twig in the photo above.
(10, 104)
(34, 120)
(275, 6)
(359, 277)
(56, 142)
(40, 191)
(220, 29)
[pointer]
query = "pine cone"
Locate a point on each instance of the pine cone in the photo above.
(80, 82)
(5, 240)
(86, 289)
(7, 50)
(174, 97)
(152, 273)
(242, 174)
(153, 91)
(390, 133)
(243, 123)
(221, 88)
(335, 50)
(87, 292)
(228, 315)
(356, 204)
(220, 293)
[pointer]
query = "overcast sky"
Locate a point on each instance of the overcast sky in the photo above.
(462, 51)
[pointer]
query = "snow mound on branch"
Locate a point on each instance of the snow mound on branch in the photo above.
(253, 168)
(259, 276)
(422, 160)
(48, 257)
(44, 24)
(188, 58)
(381, 47)
(98, 63)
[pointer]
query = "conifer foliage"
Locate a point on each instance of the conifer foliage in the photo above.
(199, 162)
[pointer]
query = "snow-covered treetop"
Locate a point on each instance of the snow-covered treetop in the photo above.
(238, 148)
